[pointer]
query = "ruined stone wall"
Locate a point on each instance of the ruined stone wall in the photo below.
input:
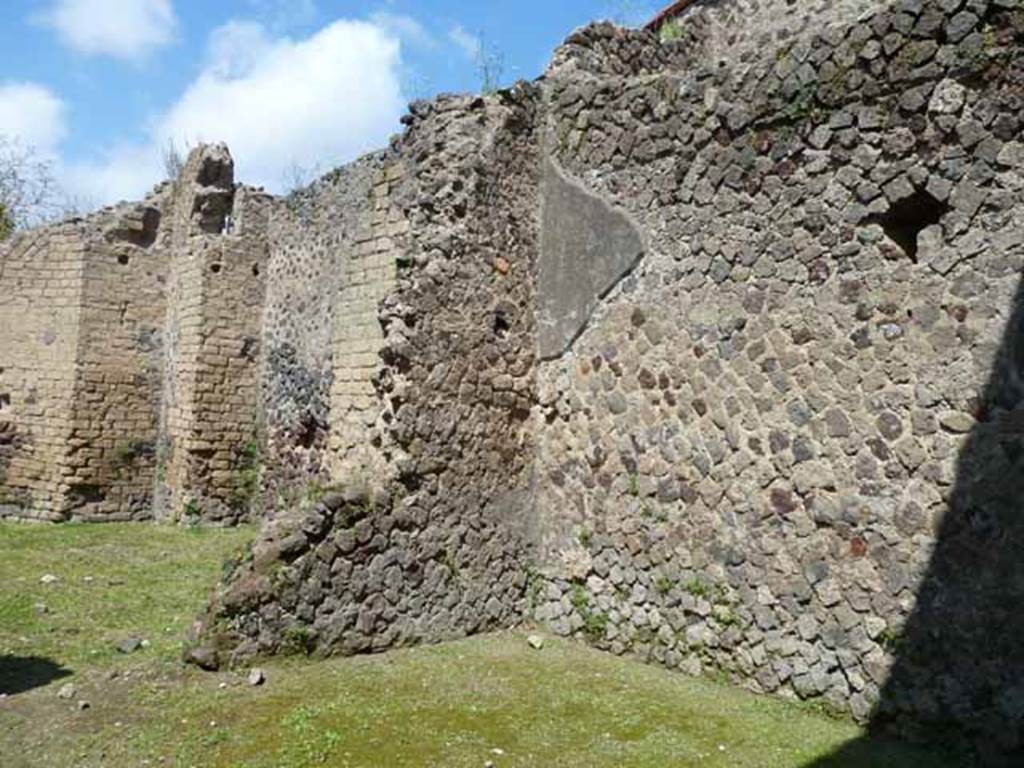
(208, 462)
(434, 548)
(368, 276)
(40, 288)
(763, 453)
(737, 33)
(112, 450)
(332, 260)
(716, 363)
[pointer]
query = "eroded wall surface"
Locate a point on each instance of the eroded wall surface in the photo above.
(436, 545)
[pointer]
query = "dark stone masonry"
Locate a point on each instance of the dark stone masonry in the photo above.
(708, 346)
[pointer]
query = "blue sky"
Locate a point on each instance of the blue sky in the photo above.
(101, 87)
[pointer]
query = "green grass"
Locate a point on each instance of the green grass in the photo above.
(114, 581)
(459, 704)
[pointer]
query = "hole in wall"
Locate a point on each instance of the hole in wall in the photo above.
(215, 268)
(501, 323)
(5, 401)
(122, 259)
(255, 270)
(85, 493)
(308, 430)
(908, 217)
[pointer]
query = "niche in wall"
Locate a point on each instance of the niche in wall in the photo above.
(908, 217)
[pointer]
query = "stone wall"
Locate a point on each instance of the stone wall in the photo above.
(738, 33)
(40, 288)
(436, 545)
(735, 389)
(112, 449)
(754, 451)
(130, 356)
(714, 362)
(209, 445)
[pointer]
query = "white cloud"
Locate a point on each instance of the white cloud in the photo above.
(277, 102)
(33, 115)
(470, 44)
(124, 29)
(405, 28)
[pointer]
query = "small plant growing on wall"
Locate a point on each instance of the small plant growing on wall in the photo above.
(698, 588)
(127, 454)
(595, 623)
(192, 513)
(247, 475)
(633, 486)
(298, 641)
(450, 561)
(671, 30)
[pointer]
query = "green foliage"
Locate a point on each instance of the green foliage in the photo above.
(126, 454)
(663, 584)
(595, 626)
(671, 30)
(890, 639)
(6, 222)
(248, 473)
(298, 641)
(650, 511)
(584, 536)
(698, 588)
(579, 598)
(192, 513)
(595, 623)
(725, 617)
(633, 488)
(450, 560)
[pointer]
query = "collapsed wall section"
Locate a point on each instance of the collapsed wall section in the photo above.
(765, 453)
(436, 547)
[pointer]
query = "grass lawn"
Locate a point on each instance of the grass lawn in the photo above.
(465, 703)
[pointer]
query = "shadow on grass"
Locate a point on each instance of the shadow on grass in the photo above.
(23, 673)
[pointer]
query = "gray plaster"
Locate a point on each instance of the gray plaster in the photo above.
(587, 247)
